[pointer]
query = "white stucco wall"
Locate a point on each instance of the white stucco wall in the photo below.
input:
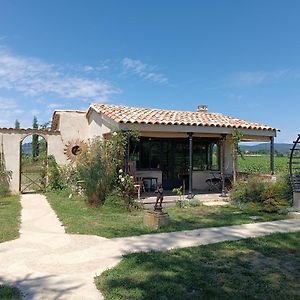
(73, 125)
(98, 126)
(56, 148)
(11, 147)
(12, 139)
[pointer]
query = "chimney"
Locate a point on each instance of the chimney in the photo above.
(202, 108)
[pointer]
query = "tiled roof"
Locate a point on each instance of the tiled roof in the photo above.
(135, 115)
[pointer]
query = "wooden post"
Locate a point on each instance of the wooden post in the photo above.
(190, 195)
(272, 152)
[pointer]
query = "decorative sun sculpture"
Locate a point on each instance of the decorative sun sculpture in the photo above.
(74, 148)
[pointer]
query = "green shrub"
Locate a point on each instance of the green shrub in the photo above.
(194, 202)
(125, 187)
(254, 189)
(55, 181)
(115, 200)
(277, 196)
(4, 190)
(273, 196)
(5, 175)
(238, 191)
(96, 168)
(99, 167)
(69, 175)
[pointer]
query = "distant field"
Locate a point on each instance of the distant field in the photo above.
(261, 164)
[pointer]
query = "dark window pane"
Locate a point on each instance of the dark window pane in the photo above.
(200, 156)
(145, 154)
(155, 154)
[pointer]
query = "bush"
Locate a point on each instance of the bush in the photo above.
(238, 191)
(4, 190)
(96, 168)
(194, 203)
(69, 176)
(5, 176)
(115, 200)
(278, 195)
(55, 181)
(125, 187)
(273, 196)
(99, 166)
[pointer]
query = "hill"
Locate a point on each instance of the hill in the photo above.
(265, 148)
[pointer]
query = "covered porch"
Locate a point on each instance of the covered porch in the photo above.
(198, 163)
(179, 148)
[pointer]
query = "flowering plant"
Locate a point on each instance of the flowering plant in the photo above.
(125, 186)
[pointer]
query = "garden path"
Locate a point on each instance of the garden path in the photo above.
(46, 263)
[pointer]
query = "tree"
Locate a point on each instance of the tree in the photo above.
(236, 151)
(46, 125)
(35, 139)
(17, 124)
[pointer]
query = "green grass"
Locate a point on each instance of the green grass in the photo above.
(261, 164)
(9, 293)
(259, 268)
(77, 217)
(10, 209)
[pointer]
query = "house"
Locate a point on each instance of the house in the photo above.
(175, 148)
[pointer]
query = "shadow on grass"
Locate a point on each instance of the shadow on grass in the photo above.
(261, 268)
(31, 285)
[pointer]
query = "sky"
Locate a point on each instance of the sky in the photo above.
(241, 58)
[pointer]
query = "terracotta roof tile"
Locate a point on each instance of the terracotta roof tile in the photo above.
(125, 114)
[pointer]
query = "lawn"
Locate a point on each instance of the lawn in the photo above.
(258, 268)
(9, 293)
(10, 209)
(103, 221)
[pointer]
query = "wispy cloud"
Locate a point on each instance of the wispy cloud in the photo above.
(143, 70)
(33, 77)
(9, 109)
(8, 103)
(55, 105)
(254, 78)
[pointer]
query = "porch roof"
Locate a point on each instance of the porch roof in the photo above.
(136, 115)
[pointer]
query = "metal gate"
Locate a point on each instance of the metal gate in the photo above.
(32, 182)
(33, 172)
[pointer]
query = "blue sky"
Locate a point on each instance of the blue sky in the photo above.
(241, 58)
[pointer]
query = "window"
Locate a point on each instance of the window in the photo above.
(173, 154)
(206, 155)
(215, 157)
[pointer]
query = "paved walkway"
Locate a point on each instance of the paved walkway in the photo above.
(46, 263)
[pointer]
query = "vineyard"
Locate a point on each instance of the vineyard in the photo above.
(261, 164)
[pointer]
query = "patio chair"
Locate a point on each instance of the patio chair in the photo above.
(137, 180)
(214, 182)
